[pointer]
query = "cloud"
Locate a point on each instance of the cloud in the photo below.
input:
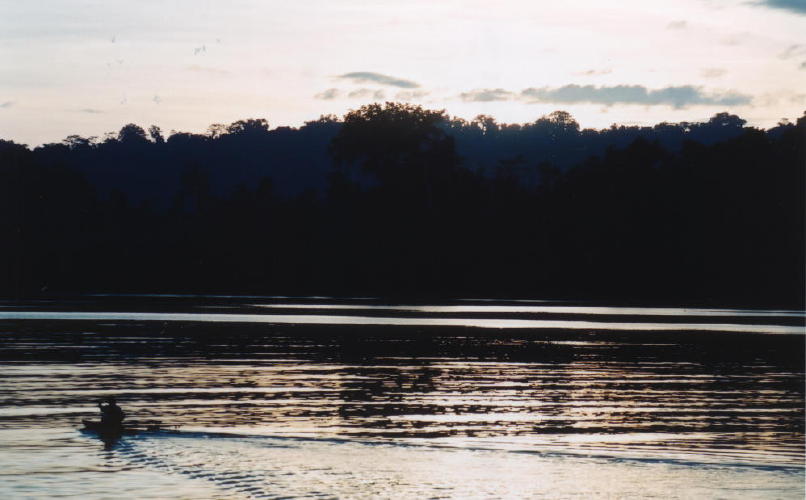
(328, 95)
(368, 77)
(796, 6)
(487, 95)
(796, 50)
(793, 51)
(410, 95)
(90, 111)
(677, 97)
(595, 72)
(368, 93)
(364, 93)
(7, 104)
(734, 39)
(713, 72)
(677, 25)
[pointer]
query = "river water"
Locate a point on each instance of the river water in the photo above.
(278, 397)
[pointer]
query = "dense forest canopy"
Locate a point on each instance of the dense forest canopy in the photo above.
(394, 199)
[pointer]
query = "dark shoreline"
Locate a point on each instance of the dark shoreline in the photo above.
(358, 298)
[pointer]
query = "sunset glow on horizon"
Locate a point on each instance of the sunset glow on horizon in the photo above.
(88, 67)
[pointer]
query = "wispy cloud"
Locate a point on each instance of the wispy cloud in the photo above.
(90, 111)
(796, 6)
(369, 77)
(594, 72)
(328, 95)
(734, 40)
(487, 95)
(410, 95)
(713, 72)
(7, 104)
(364, 93)
(677, 97)
(677, 25)
(793, 51)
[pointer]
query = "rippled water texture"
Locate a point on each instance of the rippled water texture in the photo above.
(358, 399)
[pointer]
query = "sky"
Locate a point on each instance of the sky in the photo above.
(88, 67)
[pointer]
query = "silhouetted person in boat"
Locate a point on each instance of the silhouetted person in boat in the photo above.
(111, 414)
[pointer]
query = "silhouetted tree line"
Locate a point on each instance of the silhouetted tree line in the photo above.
(395, 199)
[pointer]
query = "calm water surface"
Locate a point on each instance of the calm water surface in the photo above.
(324, 398)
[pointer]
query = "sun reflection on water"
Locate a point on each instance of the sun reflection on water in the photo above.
(367, 410)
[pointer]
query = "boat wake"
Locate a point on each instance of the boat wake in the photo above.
(257, 466)
(221, 465)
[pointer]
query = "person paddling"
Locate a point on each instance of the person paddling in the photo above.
(111, 414)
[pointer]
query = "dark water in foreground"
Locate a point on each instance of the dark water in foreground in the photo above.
(279, 397)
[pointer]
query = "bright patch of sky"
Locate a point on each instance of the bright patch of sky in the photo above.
(90, 66)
